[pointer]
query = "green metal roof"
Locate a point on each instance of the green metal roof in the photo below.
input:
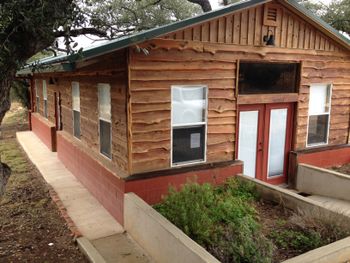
(140, 37)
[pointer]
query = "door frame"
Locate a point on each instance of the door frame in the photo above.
(263, 138)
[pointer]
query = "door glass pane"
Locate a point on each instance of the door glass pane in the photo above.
(247, 140)
(277, 141)
(188, 105)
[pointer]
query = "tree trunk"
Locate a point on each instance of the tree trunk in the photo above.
(205, 4)
(5, 172)
(5, 86)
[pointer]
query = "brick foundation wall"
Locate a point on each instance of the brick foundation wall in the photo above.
(323, 157)
(103, 184)
(109, 190)
(45, 130)
(152, 189)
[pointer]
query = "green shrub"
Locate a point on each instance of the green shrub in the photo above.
(221, 219)
(296, 239)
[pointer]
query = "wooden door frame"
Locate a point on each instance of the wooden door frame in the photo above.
(288, 142)
(263, 138)
(253, 107)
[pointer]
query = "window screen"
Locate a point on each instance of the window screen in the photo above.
(104, 107)
(76, 109)
(188, 144)
(45, 98)
(260, 78)
(319, 114)
(188, 117)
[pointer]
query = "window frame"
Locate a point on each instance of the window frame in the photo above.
(99, 119)
(45, 105)
(281, 62)
(330, 86)
(78, 85)
(189, 125)
(37, 97)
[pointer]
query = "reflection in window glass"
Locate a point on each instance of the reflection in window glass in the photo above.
(319, 114)
(188, 117)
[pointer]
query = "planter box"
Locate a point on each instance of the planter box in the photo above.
(167, 243)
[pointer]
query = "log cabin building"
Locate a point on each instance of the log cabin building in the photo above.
(256, 87)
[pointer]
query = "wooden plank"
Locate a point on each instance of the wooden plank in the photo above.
(221, 29)
(258, 24)
(267, 98)
(205, 32)
(213, 33)
(251, 26)
(229, 28)
(244, 28)
(237, 28)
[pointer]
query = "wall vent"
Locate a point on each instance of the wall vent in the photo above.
(271, 13)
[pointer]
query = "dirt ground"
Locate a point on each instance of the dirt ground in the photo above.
(31, 228)
(345, 169)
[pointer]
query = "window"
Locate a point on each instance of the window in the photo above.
(76, 109)
(104, 108)
(45, 98)
(265, 78)
(37, 102)
(319, 114)
(188, 120)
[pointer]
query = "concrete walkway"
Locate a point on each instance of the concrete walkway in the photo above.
(90, 217)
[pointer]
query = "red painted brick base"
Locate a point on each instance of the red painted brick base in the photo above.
(151, 190)
(103, 184)
(109, 189)
(323, 157)
(44, 130)
(327, 158)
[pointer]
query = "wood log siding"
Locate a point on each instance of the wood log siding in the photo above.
(112, 69)
(247, 28)
(173, 62)
(150, 93)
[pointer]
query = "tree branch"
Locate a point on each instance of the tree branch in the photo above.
(82, 31)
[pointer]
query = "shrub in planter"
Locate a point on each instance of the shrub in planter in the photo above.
(221, 219)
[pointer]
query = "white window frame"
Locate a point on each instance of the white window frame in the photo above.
(330, 86)
(45, 108)
(72, 85)
(37, 101)
(189, 125)
(99, 118)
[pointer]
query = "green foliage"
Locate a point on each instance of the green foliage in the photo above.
(336, 13)
(296, 239)
(20, 93)
(126, 16)
(220, 219)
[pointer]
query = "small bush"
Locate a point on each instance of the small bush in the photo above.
(221, 219)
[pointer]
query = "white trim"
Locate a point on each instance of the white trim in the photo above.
(76, 82)
(109, 121)
(330, 85)
(205, 123)
(45, 104)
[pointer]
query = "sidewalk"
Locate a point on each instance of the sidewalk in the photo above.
(99, 229)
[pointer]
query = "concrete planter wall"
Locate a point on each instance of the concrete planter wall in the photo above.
(163, 241)
(318, 181)
(166, 243)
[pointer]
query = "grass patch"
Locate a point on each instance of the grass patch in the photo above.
(11, 154)
(234, 225)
